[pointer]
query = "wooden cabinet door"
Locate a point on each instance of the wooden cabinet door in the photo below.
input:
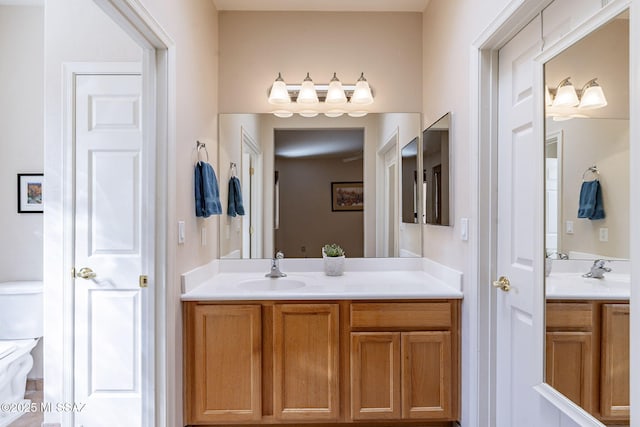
(614, 387)
(427, 367)
(306, 362)
(569, 366)
(224, 381)
(375, 376)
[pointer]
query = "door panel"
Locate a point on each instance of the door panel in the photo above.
(306, 361)
(375, 375)
(517, 213)
(108, 235)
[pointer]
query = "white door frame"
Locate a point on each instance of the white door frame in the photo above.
(159, 118)
(479, 392)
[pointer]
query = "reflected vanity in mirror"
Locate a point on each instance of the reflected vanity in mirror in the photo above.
(436, 172)
(587, 222)
(291, 170)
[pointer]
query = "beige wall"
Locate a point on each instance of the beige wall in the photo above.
(255, 46)
(449, 29)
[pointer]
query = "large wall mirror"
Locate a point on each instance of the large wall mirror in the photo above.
(310, 181)
(587, 222)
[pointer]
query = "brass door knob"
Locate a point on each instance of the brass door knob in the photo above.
(502, 283)
(86, 273)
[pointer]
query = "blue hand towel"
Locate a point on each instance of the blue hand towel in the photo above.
(591, 205)
(235, 206)
(207, 193)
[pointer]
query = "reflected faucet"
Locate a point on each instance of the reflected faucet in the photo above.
(275, 266)
(597, 269)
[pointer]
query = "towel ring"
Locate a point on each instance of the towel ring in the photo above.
(593, 170)
(199, 147)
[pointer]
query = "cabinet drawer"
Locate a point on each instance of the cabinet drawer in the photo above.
(418, 315)
(568, 315)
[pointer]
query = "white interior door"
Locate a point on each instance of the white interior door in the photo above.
(518, 149)
(109, 239)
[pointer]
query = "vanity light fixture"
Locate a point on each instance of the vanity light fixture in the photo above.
(565, 103)
(566, 95)
(592, 96)
(332, 100)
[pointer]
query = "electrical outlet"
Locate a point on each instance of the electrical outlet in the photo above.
(181, 235)
(464, 229)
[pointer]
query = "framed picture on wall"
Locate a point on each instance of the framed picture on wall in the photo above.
(347, 196)
(30, 187)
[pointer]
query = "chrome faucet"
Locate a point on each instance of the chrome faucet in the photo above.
(597, 269)
(275, 266)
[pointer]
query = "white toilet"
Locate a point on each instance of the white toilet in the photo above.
(20, 329)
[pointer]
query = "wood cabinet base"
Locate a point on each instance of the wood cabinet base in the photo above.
(322, 363)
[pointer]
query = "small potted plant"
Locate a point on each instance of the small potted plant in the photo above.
(333, 256)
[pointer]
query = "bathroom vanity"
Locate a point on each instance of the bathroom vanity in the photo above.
(363, 347)
(587, 336)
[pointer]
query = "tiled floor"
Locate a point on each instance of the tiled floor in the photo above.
(32, 419)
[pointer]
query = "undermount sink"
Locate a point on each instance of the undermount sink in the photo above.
(269, 284)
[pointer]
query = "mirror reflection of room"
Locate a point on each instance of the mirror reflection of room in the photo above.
(587, 222)
(295, 210)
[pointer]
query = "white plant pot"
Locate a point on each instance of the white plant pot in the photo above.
(334, 265)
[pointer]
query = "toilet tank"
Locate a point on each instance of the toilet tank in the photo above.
(21, 310)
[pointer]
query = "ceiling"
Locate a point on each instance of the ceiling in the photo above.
(301, 143)
(324, 5)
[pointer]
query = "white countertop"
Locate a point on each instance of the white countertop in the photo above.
(228, 285)
(614, 286)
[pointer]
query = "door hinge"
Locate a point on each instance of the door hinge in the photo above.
(73, 273)
(251, 230)
(251, 171)
(143, 280)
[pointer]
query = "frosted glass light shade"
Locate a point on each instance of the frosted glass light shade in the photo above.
(566, 95)
(279, 94)
(593, 97)
(362, 93)
(335, 93)
(307, 94)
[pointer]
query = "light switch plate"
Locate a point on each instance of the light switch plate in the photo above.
(181, 232)
(569, 227)
(464, 229)
(604, 234)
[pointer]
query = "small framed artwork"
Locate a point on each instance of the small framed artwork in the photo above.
(30, 193)
(347, 196)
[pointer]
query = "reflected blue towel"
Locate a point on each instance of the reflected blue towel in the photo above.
(591, 200)
(235, 206)
(207, 192)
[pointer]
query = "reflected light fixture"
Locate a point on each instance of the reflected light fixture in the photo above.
(333, 99)
(566, 95)
(592, 96)
(565, 103)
